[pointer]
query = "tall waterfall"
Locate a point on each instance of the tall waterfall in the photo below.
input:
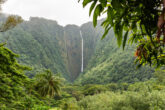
(82, 54)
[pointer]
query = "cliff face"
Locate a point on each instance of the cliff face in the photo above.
(73, 50)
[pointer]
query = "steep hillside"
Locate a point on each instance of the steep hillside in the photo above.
(42, 43)
(110, 63)
(37, 43)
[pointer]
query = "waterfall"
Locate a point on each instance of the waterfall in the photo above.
(82, 54)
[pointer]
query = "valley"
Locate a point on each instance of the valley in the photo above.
(43, 44)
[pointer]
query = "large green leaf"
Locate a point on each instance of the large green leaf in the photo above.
(92, 7)
(125, 39)
(118, 29)
(97, 13)
(85, 2)
(110, 15)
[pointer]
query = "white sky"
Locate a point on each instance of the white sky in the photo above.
(63, 11)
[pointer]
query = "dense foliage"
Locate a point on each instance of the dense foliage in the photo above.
(14, 85)
(136, 20)
(47, 84)
(110, 80)
(12, 79)
(148, 95)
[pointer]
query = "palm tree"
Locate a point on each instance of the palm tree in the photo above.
(47, 84)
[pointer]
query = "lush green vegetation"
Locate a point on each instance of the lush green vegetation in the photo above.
(43, 44)
(111, 64)
(108, 70)
(110, 74)
(148, 95)
(18, 92)
(143, 19)
(52, 53)
(35, 44)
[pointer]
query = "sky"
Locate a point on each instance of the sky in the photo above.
(63, 11)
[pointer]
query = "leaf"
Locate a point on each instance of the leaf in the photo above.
(125, 39)
(85, 2)
(105, 33)
(103, 2)
(118, 29)
(94, 20)
(105, 24)
(110, 15)
(120, 37)
(97, 13)
(92, 7)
